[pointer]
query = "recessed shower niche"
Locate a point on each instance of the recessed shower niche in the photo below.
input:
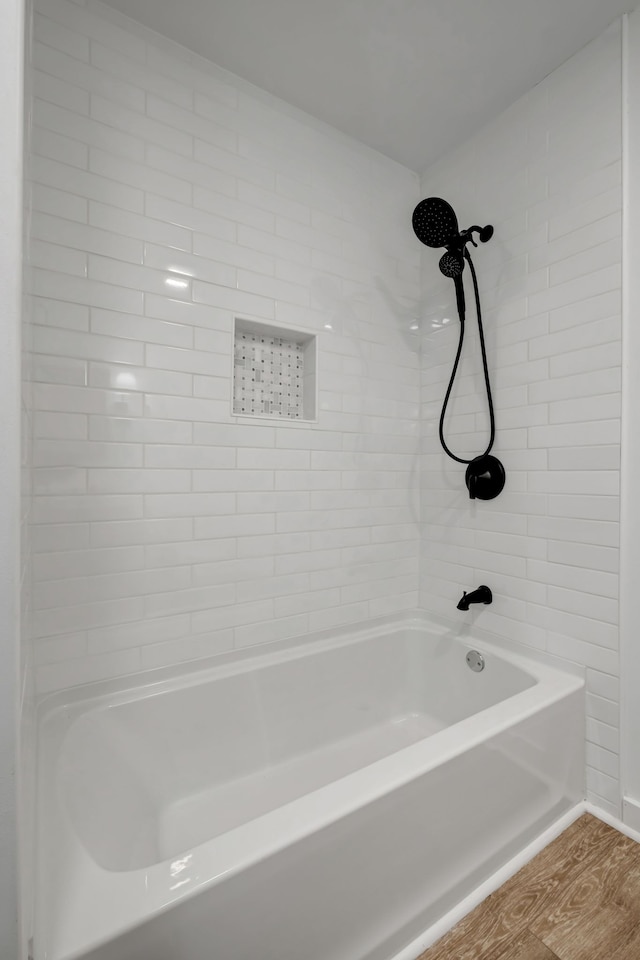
(274, 372)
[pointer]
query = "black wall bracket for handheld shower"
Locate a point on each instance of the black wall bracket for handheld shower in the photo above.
(436, 225)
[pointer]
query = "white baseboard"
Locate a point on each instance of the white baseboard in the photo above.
(630, 826)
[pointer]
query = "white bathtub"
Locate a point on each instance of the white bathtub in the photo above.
(328, 800)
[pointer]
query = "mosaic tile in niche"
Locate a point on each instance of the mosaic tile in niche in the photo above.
(268, 376)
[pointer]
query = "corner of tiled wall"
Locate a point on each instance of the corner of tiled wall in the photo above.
(547, 174)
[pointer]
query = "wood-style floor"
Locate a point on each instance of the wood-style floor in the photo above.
(579, 899)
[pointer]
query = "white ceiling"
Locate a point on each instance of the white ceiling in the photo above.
(411, 78)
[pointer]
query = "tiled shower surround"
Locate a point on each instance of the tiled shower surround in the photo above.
(547, 174)
(170, 199)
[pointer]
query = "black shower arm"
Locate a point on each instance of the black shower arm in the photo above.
(484, 234)
(457, 244)
(467, 235)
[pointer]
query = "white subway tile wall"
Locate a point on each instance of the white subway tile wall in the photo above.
(547, 174)
(168, 199)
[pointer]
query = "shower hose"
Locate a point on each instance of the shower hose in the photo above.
(461, 313)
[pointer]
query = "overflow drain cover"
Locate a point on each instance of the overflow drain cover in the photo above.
(475, 660)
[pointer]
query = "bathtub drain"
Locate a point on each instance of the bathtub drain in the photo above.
(475, 660)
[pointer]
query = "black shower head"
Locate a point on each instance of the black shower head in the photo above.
(435, 222)
(436, 225)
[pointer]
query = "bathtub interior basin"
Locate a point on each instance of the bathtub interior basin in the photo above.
(146, 780)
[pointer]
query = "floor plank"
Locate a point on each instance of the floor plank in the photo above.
(597, 910)
(579, 899)
(629, 949)
(524, 947)
(595, 936)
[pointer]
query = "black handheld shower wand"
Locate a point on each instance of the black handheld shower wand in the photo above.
(436, 225)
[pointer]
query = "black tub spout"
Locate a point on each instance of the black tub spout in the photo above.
(481, 595)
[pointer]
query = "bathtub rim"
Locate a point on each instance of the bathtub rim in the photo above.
(194, 672)
(151, 890)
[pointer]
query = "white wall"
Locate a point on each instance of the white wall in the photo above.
(630, 511)
(11, 110)
(164, 527)
(547, 174)
(27, 717)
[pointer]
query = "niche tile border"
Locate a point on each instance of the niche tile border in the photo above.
(274, 372)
